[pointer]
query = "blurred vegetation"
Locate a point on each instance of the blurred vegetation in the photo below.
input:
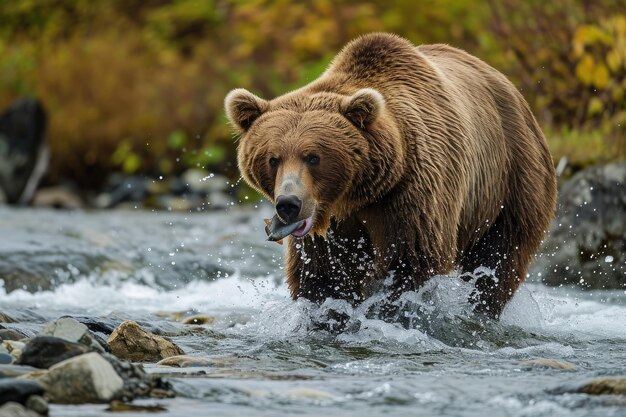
(138, 86)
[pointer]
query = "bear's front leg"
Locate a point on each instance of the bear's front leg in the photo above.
(338, 266)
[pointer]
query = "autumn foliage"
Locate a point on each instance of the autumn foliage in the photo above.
(138, 86)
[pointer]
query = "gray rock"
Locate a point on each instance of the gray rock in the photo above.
(87, 378)
(131, 342)
(13, 347)
(45, 351)
(18, 390)
(12, 409)
(587, 241)
(11, 371)
(6, 359)
(11, 334)
(38, 404)
(69, 329)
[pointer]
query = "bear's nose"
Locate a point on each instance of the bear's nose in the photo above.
(288, 208)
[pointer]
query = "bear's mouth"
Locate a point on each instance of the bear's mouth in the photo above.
(277, 230)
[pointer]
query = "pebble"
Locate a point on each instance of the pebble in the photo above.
(12, 409)
(87, 378)
(131, 342)
(13, 347)
(18, 390)
(38, 404)
(45, 351)
(11, 334)
(70, 329)
(11, 371)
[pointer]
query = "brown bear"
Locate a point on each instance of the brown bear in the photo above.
(399, 163)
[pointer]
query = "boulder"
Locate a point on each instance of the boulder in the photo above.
(46, 351)
(72, 330)
(87, 378)
(38, 404)
(129, 341)
(586, 245)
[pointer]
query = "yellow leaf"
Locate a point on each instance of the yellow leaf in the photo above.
(584, 69)
(600, 75)
(614, 60)
(595, 106)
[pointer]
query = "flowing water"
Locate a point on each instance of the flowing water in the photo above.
(269, 356)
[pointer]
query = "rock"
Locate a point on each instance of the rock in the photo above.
(23, 150)
(130, 189)
(87, 378)
(18, 390)
(13, 347)
(97, 325)
(45, 351)
(602, 386)
(6, 359)
(596, 386)
(12, 409)
(38, 404)
(70, 329)
(199, 319)
(121, 407)
(182, 361)
(11, 371)
(11, 334)
(129, 341)
(5, 318)
(587, 241)
(549, 363)
(57, 197)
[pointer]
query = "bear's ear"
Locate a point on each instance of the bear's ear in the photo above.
(243, 108)
(363, 107)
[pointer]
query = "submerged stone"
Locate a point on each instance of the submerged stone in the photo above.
(549, 363)
(182, 361)
(45, 351)
(199, 319)
(131, 342)
(602, 386)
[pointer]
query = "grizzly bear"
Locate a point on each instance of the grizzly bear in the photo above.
(397, 164)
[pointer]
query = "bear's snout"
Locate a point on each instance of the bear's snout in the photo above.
(288, 208)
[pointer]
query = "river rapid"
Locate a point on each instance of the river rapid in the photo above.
(269, 357)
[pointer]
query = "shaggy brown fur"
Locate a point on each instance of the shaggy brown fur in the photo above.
(428, 159)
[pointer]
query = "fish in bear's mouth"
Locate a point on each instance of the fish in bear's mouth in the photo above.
(277, 230)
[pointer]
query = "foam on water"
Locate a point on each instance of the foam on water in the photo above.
(273, 316)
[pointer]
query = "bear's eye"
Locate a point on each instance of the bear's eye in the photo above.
(274, 162)
(312, 159)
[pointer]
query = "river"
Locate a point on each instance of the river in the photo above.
(269, 358)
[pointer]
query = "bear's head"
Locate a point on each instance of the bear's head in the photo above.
(316, 155)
